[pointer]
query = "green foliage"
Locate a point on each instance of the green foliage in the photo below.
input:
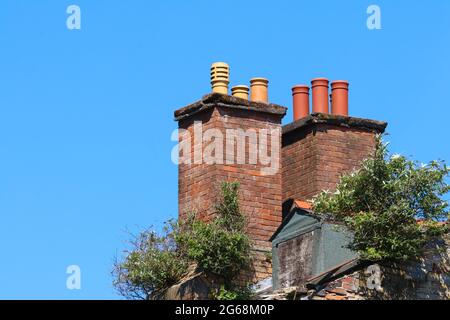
(219, 247)
(228, 211)
(236, 293)
(214, 248)
(152, 265)
(268, 256)
(381, 203)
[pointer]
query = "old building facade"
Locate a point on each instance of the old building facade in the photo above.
(280, 168)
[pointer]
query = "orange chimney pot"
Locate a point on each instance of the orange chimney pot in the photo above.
(259, 90)
(300, 97)
(320, 95)
(339, 93)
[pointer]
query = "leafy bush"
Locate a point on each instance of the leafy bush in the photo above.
(153, 265)
(221, 246)
(237, 293)
(215, 249)
(158, 261)
(382, 202)
(228, 211)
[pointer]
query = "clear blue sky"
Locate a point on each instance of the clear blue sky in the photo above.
(86, 115)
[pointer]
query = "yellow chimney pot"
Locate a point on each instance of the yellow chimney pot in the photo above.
(220, 77)
(240, 91)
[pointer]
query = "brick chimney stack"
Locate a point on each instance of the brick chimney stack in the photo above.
(240, 138)
(229, 117)
(319, 148)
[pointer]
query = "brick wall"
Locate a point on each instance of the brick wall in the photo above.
(260, 194)
(317, 150)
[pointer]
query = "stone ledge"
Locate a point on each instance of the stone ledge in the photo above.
(216, 99)
(336, 120)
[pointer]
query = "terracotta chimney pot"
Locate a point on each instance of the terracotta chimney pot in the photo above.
(220, 77)
(339, 93)
(320, 95)
(300, 97)
(259, 90)
(240, 91)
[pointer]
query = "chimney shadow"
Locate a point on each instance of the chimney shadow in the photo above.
(287, 206)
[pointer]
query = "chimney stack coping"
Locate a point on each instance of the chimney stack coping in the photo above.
(336, 120)
(222, 100)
